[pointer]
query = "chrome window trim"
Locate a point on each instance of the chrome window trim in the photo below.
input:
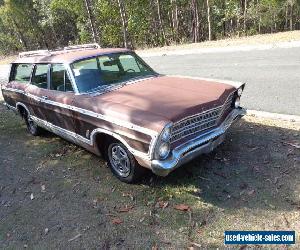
(130, 81)
(71, 77)
(118, 86)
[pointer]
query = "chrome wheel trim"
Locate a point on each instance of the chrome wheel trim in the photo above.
(31, 125)
(119, 160)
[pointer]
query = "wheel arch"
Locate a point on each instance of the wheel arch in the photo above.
(102, 137)
(22, 107)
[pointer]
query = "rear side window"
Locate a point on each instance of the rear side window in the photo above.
(39, 78)
(59, 79)
(21, 72)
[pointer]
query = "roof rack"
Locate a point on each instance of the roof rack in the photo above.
(48, 52)
(83, 46)
(34, 53)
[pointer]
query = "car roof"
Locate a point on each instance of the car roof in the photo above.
(68, 56)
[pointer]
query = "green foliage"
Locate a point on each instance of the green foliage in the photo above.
(34, 24)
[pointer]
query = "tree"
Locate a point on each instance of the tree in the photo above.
(34, 24)
(124, 23)
(208, 19)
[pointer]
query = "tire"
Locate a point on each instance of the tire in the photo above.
(123, 164)
(32, 127)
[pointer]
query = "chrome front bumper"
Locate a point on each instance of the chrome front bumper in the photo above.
(202, 144)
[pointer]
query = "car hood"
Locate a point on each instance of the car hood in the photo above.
(155, 101)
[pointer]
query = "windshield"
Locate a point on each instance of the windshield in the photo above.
(108, 71)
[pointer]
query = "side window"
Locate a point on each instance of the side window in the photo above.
(59, 79)
(21, 72)
(129, 63)
(108, 64)
(39, 77)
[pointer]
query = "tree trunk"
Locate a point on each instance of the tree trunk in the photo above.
(286, 17)
(124, 23)
(92, 26)
(291, 18)
(155, 30)
(208, 20)
(160, 23)
(175, 20)
(274, 20)
(196, 23)
(20, 34)
(245, 15)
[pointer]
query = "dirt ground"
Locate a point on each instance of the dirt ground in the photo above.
(287, 36)
(56, 195)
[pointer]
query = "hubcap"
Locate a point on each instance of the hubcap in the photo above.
(120, 161)
(31, 125)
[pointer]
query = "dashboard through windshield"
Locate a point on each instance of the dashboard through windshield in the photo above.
(108, 71)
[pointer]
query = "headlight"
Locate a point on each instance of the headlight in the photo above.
(240, 91)
(237, 102)
(163, 150)
(166, 135)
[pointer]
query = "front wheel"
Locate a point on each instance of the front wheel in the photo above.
(123, 164)
(32, 127)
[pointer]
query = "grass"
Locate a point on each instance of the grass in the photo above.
(251, 182)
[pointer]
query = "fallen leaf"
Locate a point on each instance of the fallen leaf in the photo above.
(155, 247)
(117, 221)
(243, 185)
(253, 149)
(125, 209)
(163, 204)
(128, 195)
(74, 238)
(297, 159)
(220, 174)
(196, 244)
(182, 207)
(251, 192)
(293, 144)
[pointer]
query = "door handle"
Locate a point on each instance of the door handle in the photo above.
(45, 97)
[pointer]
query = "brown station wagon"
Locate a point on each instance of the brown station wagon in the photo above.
(112, 103)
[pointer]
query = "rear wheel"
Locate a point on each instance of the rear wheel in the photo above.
(123, 164)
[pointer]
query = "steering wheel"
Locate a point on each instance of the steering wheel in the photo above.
(130, 70)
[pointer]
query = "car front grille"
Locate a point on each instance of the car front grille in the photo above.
(200, 122)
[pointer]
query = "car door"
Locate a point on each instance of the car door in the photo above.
(60, 98)
(52, 95)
